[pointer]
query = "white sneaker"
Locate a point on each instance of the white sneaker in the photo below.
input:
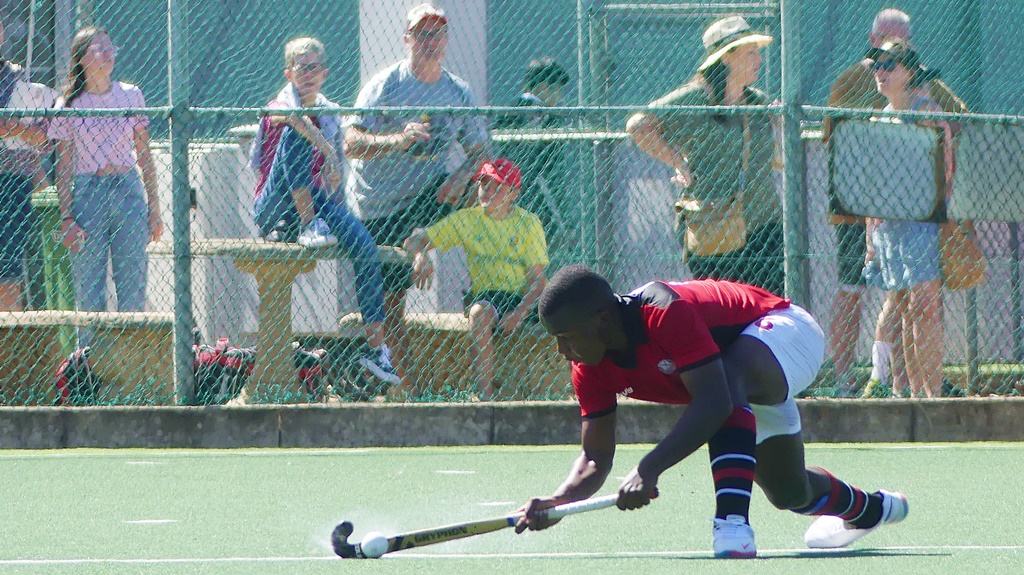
(830, 532)
(378, 362)
(734, 538)
(317, 234)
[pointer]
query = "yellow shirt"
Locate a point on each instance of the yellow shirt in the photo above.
(499, 252)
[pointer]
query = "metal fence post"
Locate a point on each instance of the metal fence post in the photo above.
(179, 84)
(794, 204)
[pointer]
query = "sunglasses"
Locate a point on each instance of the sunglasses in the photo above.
(886, 65)
(100, 49)
(310, 68)
(428, 34)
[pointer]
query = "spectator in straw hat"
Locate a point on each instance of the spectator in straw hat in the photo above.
(723, 157)
(400, 178)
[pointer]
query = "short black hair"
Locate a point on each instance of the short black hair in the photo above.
(578, 288)
(545, 71)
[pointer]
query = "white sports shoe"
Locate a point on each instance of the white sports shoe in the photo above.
(317, 234)
(830, 532)
(378, 362)
(734, 538)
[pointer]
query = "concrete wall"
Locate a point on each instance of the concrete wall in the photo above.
(528, 423)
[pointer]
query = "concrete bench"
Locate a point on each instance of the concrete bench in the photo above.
(527, 363)
(274, 266)
(131, 354)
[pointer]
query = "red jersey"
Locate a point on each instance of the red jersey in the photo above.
(672, 327)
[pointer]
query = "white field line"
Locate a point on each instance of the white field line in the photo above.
(704, 554)
(157, 454)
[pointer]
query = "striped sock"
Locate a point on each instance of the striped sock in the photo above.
(861, 509)
(731, 449)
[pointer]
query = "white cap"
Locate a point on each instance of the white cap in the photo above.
(420, 13)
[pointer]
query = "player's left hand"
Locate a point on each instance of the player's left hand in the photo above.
(635, 492)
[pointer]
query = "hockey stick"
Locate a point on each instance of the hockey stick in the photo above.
(346, 550)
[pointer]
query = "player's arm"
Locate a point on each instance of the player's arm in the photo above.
(710, 407)
(588, 473)
(594, 463)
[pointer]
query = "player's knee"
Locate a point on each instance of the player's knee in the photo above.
(788, 497)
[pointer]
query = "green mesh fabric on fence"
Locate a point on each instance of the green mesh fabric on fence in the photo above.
(640, 151)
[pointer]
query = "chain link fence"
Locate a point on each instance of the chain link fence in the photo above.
(167, 219)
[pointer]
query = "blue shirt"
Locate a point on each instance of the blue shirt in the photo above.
(386, 185)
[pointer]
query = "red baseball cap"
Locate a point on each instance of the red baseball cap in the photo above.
(502, 171)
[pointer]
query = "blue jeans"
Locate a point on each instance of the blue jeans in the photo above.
(112, 211)
(291, 170)
(16, 219)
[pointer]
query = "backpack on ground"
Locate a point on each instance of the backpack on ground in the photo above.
(75, 381)
(309, 363)
(222, 370)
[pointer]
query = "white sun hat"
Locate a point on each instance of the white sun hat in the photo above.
(728, 33)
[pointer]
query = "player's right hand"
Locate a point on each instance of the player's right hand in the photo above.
(533, 517)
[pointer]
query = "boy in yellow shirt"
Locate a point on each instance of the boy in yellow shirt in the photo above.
(506, 253)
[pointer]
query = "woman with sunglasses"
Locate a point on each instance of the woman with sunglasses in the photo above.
(903, 256)
(108, 211)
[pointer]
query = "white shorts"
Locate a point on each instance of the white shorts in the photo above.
(798, 343)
